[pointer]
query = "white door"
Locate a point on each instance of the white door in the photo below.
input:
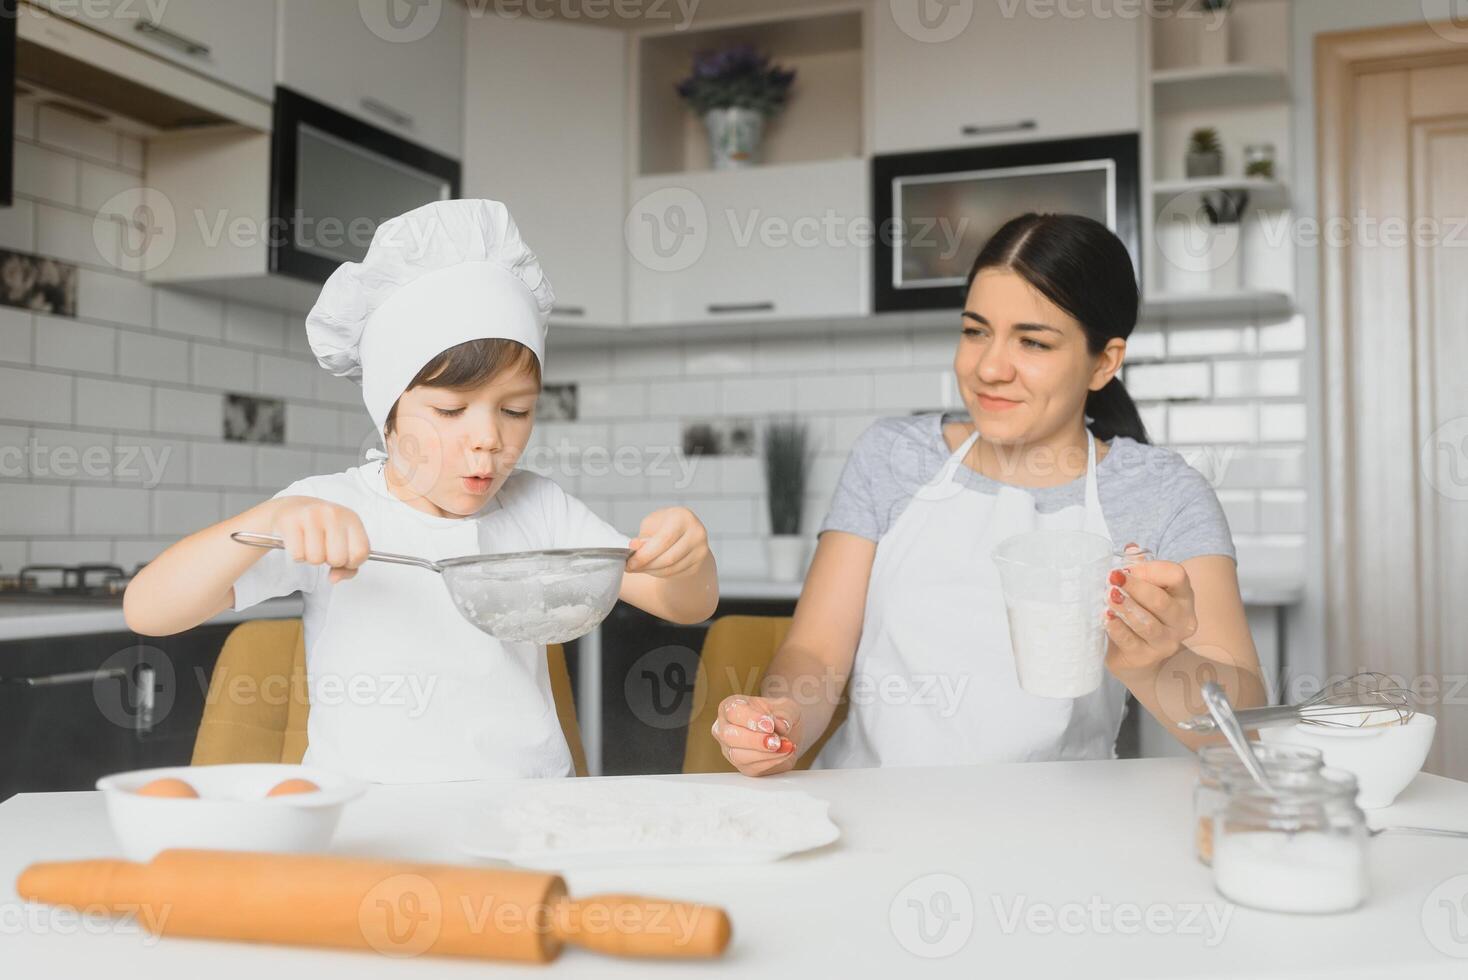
(994, 72)
(1394, 171)
(544, 131)
(232, 43)
(767, 243)
(398, 66)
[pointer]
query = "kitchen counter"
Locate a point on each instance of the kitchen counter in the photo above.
(1043, 869)
(22, 620)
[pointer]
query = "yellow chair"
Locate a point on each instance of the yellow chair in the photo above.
(736, 653)
(258, 701)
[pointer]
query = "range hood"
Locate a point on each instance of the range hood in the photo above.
(60, 56)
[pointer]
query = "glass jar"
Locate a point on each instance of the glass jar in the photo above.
(1217, 761)
(1259, 161)
(1300, 848)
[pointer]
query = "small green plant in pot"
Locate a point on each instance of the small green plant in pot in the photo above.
(788, 454)
(735, 90)
(1205, 154)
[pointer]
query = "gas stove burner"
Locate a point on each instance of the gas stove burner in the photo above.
(78, 582)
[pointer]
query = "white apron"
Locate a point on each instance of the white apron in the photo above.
(934, 682)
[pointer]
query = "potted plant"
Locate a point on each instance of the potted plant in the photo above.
(735, 90)
(1205, 154)
(1225, 212)
(788, 456)
(1212, 33)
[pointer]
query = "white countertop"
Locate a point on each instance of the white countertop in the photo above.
(20, 620)
(1098, 850)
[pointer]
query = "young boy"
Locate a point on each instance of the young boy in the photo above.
(443, 324)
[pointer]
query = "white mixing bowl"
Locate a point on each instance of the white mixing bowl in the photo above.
(1384, 759)
(232, 812)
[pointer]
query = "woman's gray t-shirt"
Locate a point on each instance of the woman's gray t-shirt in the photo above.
(1149, 495)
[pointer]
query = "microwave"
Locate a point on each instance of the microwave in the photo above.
(334, 179)
(936, 209)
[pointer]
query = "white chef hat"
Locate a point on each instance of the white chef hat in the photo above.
(433, 278)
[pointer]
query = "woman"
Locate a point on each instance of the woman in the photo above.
(903, 597)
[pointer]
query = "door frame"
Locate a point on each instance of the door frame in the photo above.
(1339, 58)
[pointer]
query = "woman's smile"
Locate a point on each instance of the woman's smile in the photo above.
(990, 403)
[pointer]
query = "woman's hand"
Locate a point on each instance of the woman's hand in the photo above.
(1152, 619)
(322, 533)
(670, 542)
(758, 735)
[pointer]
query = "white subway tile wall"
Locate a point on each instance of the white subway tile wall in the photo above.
(1226, 395)
(111, 425)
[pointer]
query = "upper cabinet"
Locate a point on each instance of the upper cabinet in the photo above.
(232, 43)
(397, 66)
(991, 72)
(554, 150)
(768, 243)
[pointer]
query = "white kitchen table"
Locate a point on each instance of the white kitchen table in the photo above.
(1040, 870)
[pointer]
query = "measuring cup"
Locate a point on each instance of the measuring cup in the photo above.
(1055, 585)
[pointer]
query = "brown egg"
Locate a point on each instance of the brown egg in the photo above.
(291, 786)
(169, 788)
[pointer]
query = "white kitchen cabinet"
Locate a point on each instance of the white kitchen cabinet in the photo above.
(978, 76)
(404, 76)
(554, 151)
(232, 43)
(771, 243)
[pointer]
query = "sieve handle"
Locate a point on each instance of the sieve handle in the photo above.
(255, 540)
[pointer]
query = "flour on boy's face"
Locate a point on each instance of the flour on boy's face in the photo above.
(452, 449)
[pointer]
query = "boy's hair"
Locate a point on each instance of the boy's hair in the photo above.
(471, 364)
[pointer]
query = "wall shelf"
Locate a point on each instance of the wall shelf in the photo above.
(1185, 306)
(1196, 87)
(1263, 194)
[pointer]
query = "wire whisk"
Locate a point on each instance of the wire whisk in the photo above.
(1362, 701)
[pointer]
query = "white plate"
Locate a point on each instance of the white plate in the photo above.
(641, 822)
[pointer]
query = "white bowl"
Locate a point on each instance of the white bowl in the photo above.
(1384, 759)
(232, 812)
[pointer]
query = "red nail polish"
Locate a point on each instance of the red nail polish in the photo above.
(1118, 578)
(1116, 596)
(1110, 614)
(786, 746)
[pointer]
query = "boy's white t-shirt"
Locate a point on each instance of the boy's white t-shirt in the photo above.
(403, 688)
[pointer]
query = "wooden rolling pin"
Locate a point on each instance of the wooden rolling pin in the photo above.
(393, 907)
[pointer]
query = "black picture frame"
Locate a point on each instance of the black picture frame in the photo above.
(1124, 149)
(292, 110)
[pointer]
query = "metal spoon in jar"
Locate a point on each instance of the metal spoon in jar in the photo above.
(1228, 725)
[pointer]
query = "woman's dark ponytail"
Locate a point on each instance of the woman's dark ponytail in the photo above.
(1083, 268)
(1112, 413)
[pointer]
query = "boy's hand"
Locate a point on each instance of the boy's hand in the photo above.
(322, 533)
(669, 543)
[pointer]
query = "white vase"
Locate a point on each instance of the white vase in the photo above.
(734, 136)
(1211, 37)
(1227, 257)
(786, 554)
